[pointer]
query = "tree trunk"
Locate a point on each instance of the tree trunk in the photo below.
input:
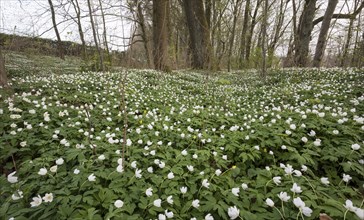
(250, 33)
(104, 33)
(3, 76)
(144, 36)
(199, 34)
(101, 67)
(264, 43)
(304, 33)
(321, 42)
(244, 33)
(160, 34)
(232, 36)
(59, 41)
(79, 25)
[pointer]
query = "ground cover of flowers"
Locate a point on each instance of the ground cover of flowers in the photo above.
(224, 146)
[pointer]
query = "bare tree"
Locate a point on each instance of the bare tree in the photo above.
(264, 40)
(199, 34)
(3, 76)
(100, 57)
(77, 9)
(321, 42)
(244, 33)
(59, 41)
(232, 36)
(144, 33)
(160, 34)
(304, 32)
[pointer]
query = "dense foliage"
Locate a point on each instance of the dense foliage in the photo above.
(197, 146)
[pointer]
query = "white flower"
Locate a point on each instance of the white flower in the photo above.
(304, 168)
(205, 183)
(149, 192)
(233, 212)
(209, 217)
(284, 147)
(321, 114)
(269, 202)
(335, 132)
(17, 195)
(288, 169)
(355, 146)
(118, 203)
(42, 171)
(134, 164)
(299, 203)
(162, 217)
(162, 165)
(195, 156)
(349, 205)
(277, 180)
(12, 178)
(170, 175)
(23, 144)
(157, 203)
(120, 161)
(190, 168)
(297, 173)
(292, 126)
(76, 171)
(312, 133)
(307, 211)
(304, 139)
(48, 197)
(224, 157)
(36, 201)
(101, 157)
(53, 169)
(138, 173)
(91, 178)
(244, 186)
(183, 189)
(296, 189)
(196, 203)
(218, 172)
(184, 152)
(283, 196)
(170, 199)
(360, 213)
(235, 191)
(128, 142)
(325, 180)
(150, 169)
(317, 142)
(120, 168)
(59, 161)
(346, 178)
(168, 214)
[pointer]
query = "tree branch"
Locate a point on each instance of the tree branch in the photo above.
(342, 16)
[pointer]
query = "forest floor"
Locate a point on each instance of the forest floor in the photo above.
(140, 144)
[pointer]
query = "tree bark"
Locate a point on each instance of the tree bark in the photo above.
(232, 36)
(3, 76)
(264, 43)
(250, 33)
(101, 67)
(304, 33)
(321, 42)
(59, 41)
(199, 34)
(160, 34)
(104, 33)
(77, 9)
(145, 38)
(244, 33)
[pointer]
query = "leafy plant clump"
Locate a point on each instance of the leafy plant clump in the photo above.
(186, 147)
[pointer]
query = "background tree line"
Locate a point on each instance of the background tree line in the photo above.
(215, 34)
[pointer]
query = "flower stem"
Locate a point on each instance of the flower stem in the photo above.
(346, 212)
(310, 184)
(279, 212)
(283, 209)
